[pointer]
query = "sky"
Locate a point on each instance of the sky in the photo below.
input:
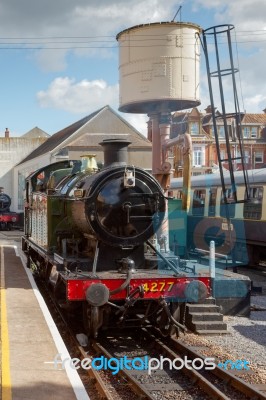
(59, 58)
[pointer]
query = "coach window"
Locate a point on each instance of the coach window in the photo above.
(227, 209)
(212, 202)
(198, 202)
(253, 208)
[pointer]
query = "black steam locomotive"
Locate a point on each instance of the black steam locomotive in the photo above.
(8, 219)
(91, 235)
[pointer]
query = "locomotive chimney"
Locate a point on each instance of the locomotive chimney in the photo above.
(115, 151)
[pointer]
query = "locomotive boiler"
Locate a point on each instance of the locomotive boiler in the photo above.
(93, 236)
(7, 218)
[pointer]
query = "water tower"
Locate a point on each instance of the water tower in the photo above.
(159, 74)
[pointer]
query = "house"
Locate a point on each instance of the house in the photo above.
(204, 152)
(82, 137)
(191, 122)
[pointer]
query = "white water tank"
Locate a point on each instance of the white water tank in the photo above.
(159, 67)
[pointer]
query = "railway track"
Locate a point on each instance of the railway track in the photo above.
(231, 379)
(158, 384)
(167, 384)
(137, 383)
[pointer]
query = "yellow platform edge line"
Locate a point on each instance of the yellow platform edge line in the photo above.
(5, 359)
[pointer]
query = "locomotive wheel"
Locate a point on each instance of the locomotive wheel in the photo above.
(91, 320)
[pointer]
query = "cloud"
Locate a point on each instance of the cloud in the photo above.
(253, 101)
(78, 97)
(139, 121)
(84, 97)
(93, 24)
(250, 16)
(248, 44)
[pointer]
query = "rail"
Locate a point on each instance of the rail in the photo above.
(228, 377)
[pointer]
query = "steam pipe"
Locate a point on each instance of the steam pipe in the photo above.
(186, 142)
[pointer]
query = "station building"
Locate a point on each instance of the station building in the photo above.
(12, 151)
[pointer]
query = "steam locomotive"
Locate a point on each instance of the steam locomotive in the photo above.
(7, 218)
(91, 235)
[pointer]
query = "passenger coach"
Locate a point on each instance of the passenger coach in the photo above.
(245, 238)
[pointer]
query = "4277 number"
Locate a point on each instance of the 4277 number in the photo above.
(158, 286)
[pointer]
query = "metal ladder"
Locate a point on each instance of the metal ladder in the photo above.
(214, 38)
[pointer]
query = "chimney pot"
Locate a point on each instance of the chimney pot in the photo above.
(7, 133)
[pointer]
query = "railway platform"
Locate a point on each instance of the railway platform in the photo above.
(29, 339)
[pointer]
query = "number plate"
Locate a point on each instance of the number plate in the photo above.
(155, 288)
(160, 286)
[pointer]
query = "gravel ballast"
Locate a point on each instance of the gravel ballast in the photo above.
(246, 338)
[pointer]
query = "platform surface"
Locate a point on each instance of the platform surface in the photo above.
(28, 344)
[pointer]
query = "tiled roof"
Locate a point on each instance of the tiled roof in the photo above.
(254, 119)
(245, 118)
(206, 119)
(58, 138)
